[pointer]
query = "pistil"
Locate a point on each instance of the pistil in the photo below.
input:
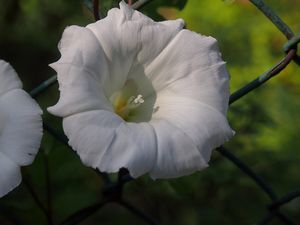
(123, 110)
(126, 100)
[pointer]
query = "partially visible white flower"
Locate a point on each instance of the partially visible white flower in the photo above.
(148, 96)
(20, 128)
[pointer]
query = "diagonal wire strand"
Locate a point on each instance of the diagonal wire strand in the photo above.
(275, 19)
(263, 78)
(84, 213)
(285, 199)
(43, 86)
(265, 187)
(247, 170)
(63, 138)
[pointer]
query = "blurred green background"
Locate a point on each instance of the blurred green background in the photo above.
(266, 121)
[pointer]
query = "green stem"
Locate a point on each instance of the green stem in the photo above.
(96, 10)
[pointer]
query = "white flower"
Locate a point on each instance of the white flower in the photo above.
(20, 128)
(147, 96)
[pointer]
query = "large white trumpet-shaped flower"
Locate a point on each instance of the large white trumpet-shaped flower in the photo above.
(143, 95)
(20, 128)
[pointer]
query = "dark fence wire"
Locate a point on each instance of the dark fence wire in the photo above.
(112, 191)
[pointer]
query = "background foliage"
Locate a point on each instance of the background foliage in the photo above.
(267, 120)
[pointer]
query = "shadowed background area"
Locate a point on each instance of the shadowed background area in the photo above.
(267, 120)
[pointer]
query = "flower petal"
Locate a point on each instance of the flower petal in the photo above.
(104, 141)
(8, 78)
(82, 73)
(130, 39)
(210, 87)
(10, 175)
(21, 127)
(205, 126)
(180, 76)
(196, 65)
(177, 155)
(108, 52)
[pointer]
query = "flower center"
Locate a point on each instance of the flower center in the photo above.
(126, 100)
(124, 108)
(134, 102)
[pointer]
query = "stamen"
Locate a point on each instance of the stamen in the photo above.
(127, 100)
(139, 99)
(136, 101)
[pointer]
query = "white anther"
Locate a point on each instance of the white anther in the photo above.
(138, 100)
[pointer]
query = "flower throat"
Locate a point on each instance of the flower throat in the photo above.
(126, 100)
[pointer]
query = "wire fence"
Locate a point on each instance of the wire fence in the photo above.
(113, 190)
